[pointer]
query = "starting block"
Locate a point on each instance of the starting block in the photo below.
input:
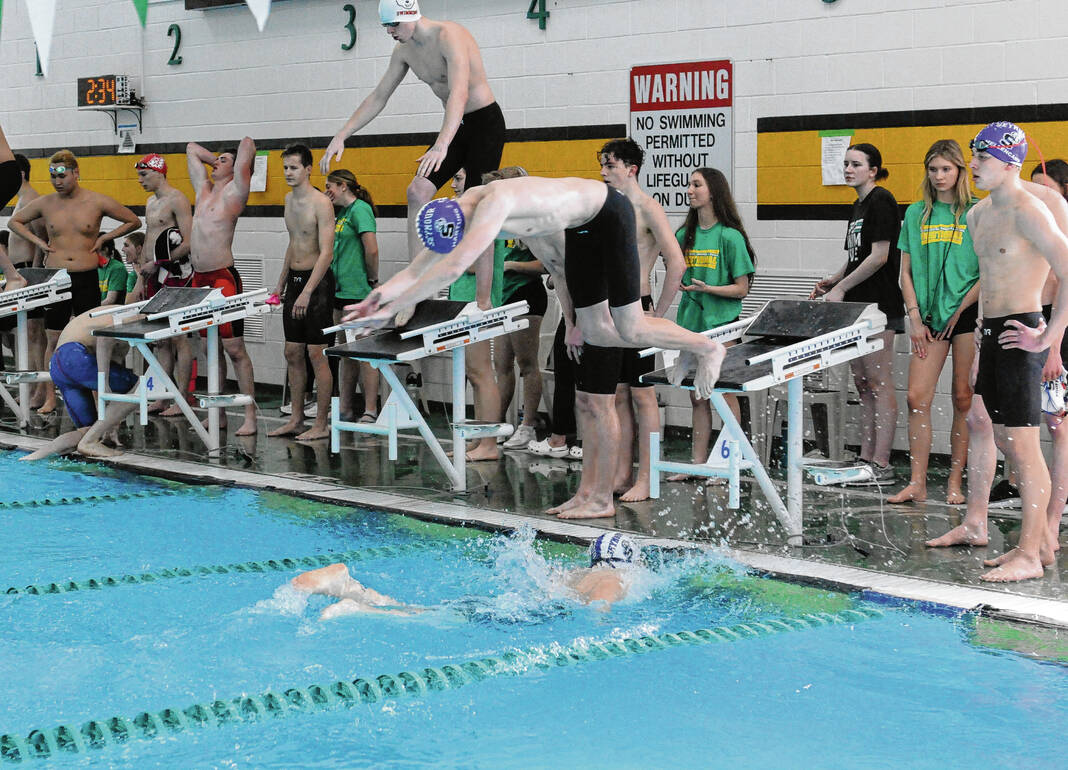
(437, 327)
(46, 287)
(172, 312)
(788, 340)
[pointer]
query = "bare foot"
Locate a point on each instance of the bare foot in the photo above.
(16, 283)
(97, 449)
(483, 453)
(171, 411)
(589, 510)
(222, 420)
(912, 492)
(156, 407)
(291, 428)
(679, 477)
(248, 428)
(962, 535)
(574, 502)
(955, 497)
(48, 407)
(1018, 567)
(315, 433)
(636, 494)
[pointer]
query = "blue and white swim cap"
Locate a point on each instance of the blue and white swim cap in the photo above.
(613, 549)
(1003, 140)
(440, 224)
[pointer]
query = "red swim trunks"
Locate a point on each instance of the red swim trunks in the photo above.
(229, 281)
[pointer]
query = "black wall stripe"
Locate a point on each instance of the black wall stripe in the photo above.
(549, 134)
(1027, 113)
(812, 211)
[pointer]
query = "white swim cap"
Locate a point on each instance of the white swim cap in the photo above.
(614, 549)
(393, 11)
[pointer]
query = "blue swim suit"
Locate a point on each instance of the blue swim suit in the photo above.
(73, 370)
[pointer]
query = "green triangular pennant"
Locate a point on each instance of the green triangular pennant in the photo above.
(142, 9)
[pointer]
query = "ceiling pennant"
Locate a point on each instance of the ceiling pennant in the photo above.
(261, 9)
(42, 15)
(142, 10)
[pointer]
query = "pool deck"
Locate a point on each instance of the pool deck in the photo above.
(854, 540)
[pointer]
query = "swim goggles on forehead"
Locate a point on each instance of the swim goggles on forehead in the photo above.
(57, 170)
(982, 145)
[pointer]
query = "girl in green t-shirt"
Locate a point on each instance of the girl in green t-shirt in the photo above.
(355, 269)
(940, 284)
(719, 271)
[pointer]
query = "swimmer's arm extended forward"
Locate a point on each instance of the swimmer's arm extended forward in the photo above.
(368, 110)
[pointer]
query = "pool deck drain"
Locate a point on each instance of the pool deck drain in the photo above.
(999, 602)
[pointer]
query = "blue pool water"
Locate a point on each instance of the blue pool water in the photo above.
(905, 689)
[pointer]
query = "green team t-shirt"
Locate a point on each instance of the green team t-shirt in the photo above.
(349, 267)
(513, 279)
(718, 257)
(131, 280)
(943, 262)
(112, 277)
(464, 288)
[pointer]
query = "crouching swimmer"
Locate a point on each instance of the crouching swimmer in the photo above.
(74, 366)
(613, 558)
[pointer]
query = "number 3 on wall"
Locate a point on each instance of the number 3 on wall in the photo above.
(350, 26)
(176, 32)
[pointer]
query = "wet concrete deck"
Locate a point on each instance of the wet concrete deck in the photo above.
(846, 530)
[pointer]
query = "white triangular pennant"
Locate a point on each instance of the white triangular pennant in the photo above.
(42, 15)
(261, 9)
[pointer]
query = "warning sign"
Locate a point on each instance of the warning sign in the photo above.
(681, 115)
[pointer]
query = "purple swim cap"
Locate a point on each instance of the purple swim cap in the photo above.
(1003, 140)
(440, 224)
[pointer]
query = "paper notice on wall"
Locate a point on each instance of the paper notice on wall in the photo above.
(833, 146)
(259, 172)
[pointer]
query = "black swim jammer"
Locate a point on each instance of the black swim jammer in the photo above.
(1010, 380)
(84, 296)
(319, 315)
(476, 148)
(601, 257)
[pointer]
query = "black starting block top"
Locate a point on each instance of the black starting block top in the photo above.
(781, 323)
(387, 344)
(37, 275)
(168, 299)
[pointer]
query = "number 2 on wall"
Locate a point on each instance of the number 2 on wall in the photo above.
(350, 26)
(176, 32)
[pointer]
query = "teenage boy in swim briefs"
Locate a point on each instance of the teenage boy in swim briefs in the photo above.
(220, 200)
(72, 217)
(1018, 241)
(584, 233)
(446, 57)
(307, 284)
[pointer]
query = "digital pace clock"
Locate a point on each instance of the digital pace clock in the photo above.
(103, 91)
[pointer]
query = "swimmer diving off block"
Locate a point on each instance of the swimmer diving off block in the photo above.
(581, 230)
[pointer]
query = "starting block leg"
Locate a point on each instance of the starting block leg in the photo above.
(459, 402)
(168, 384)
(214, 389)
(22, 358)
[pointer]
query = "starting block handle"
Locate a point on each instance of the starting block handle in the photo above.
(129, 309)
(472, 314)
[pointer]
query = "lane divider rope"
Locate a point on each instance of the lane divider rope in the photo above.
(147, 725)
(203, 570)
(76, 499)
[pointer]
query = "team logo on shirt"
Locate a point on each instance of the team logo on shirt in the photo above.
(702, 258)
(852, 243)
(942, 234)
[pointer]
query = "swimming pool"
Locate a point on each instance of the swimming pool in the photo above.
(190, 608)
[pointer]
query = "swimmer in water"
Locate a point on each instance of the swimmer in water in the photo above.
(606, 580)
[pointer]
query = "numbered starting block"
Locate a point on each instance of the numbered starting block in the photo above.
(437, 327)
(787, 339)
(46, 287)
(171, 313)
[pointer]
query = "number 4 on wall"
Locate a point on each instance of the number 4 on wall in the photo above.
(537, 11)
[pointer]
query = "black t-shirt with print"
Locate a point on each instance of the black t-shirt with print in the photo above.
(875, 219)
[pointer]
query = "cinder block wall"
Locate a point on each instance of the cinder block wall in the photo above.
(294, 81)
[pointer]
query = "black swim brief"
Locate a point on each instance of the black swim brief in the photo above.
(967, 322)
(633, 366)
(476, 148)
(84, 296)
(1009, 380)
(601, 257)
(319, 315)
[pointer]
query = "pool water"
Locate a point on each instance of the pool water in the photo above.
(906, 688)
